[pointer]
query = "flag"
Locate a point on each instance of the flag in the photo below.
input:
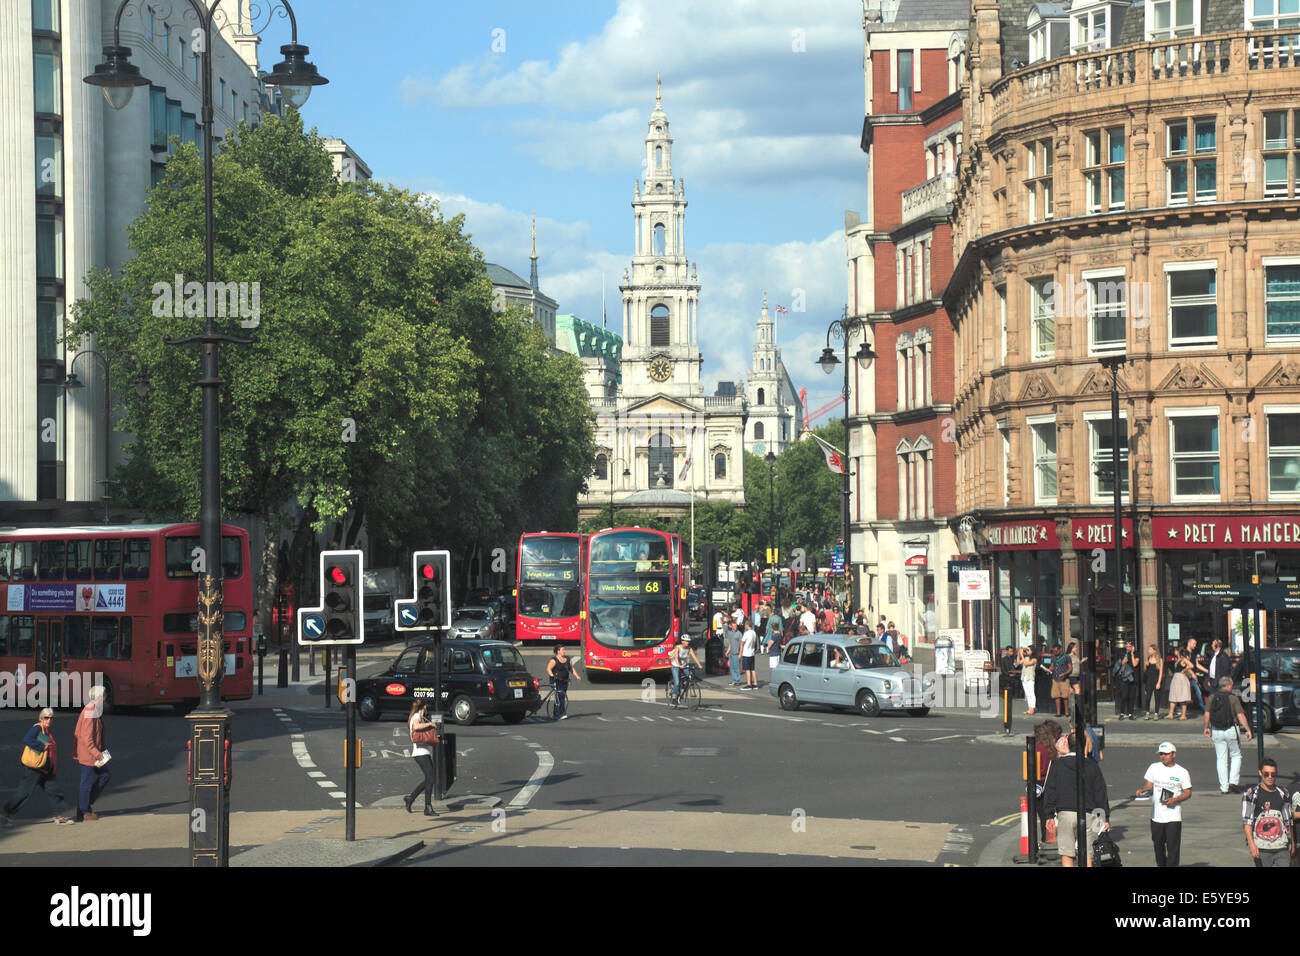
(780, 310)
(685, 468)
(834, 457)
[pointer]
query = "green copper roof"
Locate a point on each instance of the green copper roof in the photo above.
(585, 340)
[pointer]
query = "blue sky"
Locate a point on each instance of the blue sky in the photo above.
(498, 108)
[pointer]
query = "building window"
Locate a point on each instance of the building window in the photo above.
(1167, 19)
(1100, 458)
(904, 81)
(719, 465)
(47, 76)
(1281, 153)
(762, 399)
(1193, 306)
(49, 248)
(1038, 181)
(1190, 158)
(1038, 48)
(1272, 14)
(659, 240)
(1091, 31)
(49, 166)
(1042, 311)
(659, 333)
(1107, 313)
(1104, 169)
(1044, 436)
(1194, 454)
(758, 431)
(1284, 455)
(45, 15)
(1282, 301)
(660, 461)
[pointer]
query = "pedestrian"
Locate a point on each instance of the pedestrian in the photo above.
(1042, 674)
(808, 619)
(1219, 664)
(733, 652)
(1153, 679)
(681, 656)
(1061, 796)
(38, 768)
(1125, 672)
(1170, 785)
(91, 754)
(1221, 720)
(882, 636)
(1061, 670)
(892, 631)
(737, 615)
(424, 735)
(1028, 673)
(901, 651)
(748, 651)
(1195, 673)
(559, 668)
(775, 631)
(1046, 733)
(718, 618)
(1009, 670)
(1268, 817)
(1180, 688)
(1076, 667)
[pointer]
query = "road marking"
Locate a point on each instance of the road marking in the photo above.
(326, 784)
(900, 740)
(868, 730)
(315, 773)
(892, 730)
(750, 713)
(544, 764)
(949, 737)
(1006, 821)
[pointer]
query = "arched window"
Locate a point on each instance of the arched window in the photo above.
(758, 429)
(659, 155)
(762, 400)
(660, 461)
(660, 238)
(659, 326)
(602, 467)
(719, 465)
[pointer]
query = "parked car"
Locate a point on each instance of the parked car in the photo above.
(869, 680)
(480, 622)
(1279, 687)
(478, 678)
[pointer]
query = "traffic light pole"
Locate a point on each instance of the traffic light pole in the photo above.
(350, 783)
(439, 768)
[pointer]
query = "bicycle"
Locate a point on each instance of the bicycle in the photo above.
(689, 694)
(549, 702)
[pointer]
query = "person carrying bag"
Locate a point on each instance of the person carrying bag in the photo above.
(40, 753)
(424, 737)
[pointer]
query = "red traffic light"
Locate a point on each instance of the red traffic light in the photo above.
(427, 572)
(338, 575)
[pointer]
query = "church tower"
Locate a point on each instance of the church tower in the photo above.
(661, 294)
(774, 412)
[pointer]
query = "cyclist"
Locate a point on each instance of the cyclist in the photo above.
(559, 668)
(681, 656)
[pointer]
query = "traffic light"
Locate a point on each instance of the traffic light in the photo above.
(338, 619)
(1214, 572)
(710, 565)
(433, 588)
(1191, 578)
(1266, 568)
(1079, 619)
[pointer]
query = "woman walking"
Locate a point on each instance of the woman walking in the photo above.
(41, 750)
(1153, 678)
(422, 751)
(1180, 688)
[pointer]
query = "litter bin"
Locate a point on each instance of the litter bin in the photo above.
(446, 764)
(715, 658)
(944, 662)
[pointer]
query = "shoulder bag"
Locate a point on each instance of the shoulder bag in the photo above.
(35, 760)
(425, 737)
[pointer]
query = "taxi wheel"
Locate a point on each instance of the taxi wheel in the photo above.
(788, 700)
(463, 710)
(368, 707)
(868, 706)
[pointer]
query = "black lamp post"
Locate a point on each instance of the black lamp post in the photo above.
(1112, 362)
(843, 328)
(626, 474)
(209, 741)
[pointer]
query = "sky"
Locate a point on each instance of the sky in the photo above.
(501, 108)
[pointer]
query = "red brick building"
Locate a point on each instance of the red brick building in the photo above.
(899, 262)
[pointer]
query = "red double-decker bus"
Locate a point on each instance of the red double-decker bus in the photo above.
(116, 605)
(633, 606)
(548, 586)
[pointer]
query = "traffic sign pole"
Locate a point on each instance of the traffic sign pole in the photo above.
(350, 783)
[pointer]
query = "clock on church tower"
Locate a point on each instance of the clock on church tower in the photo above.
(661, 370)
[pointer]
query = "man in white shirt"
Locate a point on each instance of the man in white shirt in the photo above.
(808, 619)
(748, 649)
(1172, 785)
(738, 616)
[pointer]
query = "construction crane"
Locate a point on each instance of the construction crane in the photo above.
(810, 417)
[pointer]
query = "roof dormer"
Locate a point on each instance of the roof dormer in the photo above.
(1094, 24)
(1169, 19)
(1048, 26)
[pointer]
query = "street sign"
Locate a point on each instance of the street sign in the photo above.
(975, 585)
(313, 626)
(1283, 596)
(407, 613)
(337, 620)
(958, 565)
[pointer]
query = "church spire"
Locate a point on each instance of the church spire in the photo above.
(659, 88)
(532, 275)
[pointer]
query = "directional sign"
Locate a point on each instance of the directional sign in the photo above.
(406, 613)
(313, 626)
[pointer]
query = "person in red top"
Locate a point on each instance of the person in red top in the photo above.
(40, 738)
(91, 755)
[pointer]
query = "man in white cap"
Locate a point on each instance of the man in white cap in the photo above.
(1172, 785)
(92, 754)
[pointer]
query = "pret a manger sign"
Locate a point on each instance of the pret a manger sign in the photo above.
(1213, 532)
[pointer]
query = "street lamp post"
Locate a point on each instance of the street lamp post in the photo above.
(1112, 362)
(843, 328)
(209, 742)
(626, 474)
(771, 513)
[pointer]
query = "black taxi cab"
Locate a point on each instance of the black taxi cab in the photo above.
(479, 678)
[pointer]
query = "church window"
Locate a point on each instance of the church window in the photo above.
(602, 467)
(659, 325)
(660, 461)
(659, 155)
(758, 431)
(660, 234)
(719, 465)
(762, 400)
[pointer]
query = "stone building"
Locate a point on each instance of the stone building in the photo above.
(510, 289)
(775, 410)
(899, 260)
(1128, 191)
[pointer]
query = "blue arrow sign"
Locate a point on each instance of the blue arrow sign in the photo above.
(408, 616)
(314, 625)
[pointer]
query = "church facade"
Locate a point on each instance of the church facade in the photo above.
(660, 440)
(775, 411)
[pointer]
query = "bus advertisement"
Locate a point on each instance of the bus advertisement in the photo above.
(632, 610)
(548, 586)
(117, 606)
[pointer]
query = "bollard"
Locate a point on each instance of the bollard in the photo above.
(1024, 826)
(1006, 709)
(282, 675)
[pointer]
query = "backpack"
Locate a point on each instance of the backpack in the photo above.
(1061, 669)
(1220, 711)
(1105, 852)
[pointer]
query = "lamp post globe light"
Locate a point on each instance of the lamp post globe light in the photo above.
(209, 738)
(844, 329)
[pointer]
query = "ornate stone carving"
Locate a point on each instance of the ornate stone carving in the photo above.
(997, 394)
(1036, 388)
(1064, 461)
(1098, 380)
(1189, 251)
(1142, 431)
(1101, 258)
(1287, 245)
(1241, 460)
(1283, 374)
(1190, 377)
(1063, 529)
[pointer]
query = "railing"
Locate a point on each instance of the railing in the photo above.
(723, 401)
(931, 196)
(1041, 86)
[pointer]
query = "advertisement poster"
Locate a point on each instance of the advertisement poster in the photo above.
(1024, 623)
(188, 665)
(92, 598)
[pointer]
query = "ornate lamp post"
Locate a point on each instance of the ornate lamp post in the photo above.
(843, 328)
(626, 474)
(1111, 362)
(210, 758)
